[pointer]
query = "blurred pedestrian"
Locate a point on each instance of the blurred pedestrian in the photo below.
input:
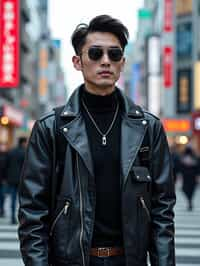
(190, 169)
(175, 161)
(97, 185)
(3, 156)
(14, 165)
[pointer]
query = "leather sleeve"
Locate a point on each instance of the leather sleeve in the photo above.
(162, 250)
(34, 198)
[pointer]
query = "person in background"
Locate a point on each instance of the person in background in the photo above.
(14, 165)
(3, 157)
(105, 162)
(189, 168)
(175, 160)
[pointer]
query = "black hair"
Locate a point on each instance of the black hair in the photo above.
(101, 23)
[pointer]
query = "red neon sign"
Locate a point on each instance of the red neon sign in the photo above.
(178, 125)
(168, 15)
(168, 66)
(9, 43)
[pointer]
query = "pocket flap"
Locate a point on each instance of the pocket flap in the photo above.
(141, 174)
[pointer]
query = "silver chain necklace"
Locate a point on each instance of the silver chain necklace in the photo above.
(104, 135)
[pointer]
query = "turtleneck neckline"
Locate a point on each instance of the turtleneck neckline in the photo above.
(99, 102)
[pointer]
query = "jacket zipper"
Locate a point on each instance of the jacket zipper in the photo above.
(81, 211)
(145, 207)
(65, 211)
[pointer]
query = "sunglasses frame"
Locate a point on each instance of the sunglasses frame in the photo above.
(102, 51)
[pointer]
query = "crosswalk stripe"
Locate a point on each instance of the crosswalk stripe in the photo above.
(190, 240)
(13, 262)
(188, 232)
(9, 235)
(9, 245)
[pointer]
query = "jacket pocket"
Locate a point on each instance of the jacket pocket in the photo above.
(143, 226)
(141, 180)
(61, 212)
(60, 229)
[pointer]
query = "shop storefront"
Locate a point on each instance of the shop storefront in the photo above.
(196, 130)
(179, 132)
(11, 118)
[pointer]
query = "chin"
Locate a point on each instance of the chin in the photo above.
(106, 84)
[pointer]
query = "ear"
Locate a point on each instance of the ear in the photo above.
(123, 63)
(76, 60)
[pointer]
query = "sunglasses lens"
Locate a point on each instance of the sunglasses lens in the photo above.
(95, 53)
(115, 54)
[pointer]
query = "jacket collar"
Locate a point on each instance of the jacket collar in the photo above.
(72, 108)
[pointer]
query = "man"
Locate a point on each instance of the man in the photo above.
(14, 165)
(106, 164)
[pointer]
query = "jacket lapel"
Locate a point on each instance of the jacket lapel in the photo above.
(75, 131)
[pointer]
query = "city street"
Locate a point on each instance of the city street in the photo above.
(90, 94)
(187, 235)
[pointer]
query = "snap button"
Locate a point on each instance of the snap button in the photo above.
(65, 129)
(144, 122)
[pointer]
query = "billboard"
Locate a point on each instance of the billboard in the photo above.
(153, 55)
(176, 125)
(184, 40)
(183, 7)
(135, 83)
(196, 122)
(196, 97)
(154, 84)
(184, 87)
(9, 43)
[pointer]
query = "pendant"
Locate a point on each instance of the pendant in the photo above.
(104, 140)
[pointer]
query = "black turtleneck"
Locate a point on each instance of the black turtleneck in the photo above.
(106, 160)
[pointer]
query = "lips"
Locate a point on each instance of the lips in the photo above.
(105, 73)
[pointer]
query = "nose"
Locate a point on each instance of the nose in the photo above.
(105, 58)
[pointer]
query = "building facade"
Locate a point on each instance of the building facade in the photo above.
(33, 91)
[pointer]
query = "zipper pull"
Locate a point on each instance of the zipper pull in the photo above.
(144, 206)
(143, 203)
(66, 207)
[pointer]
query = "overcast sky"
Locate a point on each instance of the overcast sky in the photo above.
(64, 15)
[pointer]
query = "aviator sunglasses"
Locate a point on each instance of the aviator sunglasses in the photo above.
(95, 53)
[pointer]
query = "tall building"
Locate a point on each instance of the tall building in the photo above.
(15, 71)
(135, 73)
(26, 86)
(168, 44)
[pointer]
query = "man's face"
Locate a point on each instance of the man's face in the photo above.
(100, 72)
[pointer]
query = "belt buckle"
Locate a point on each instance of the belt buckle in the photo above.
(106, 250)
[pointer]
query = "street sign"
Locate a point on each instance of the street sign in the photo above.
(9, 43)
(168, 66)
(168, 15)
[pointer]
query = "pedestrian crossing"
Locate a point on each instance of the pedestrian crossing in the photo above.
(187, 238)
(187, 224)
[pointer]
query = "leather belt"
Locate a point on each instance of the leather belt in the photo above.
(106, 251)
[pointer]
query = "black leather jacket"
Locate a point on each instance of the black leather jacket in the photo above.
(63, 235)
